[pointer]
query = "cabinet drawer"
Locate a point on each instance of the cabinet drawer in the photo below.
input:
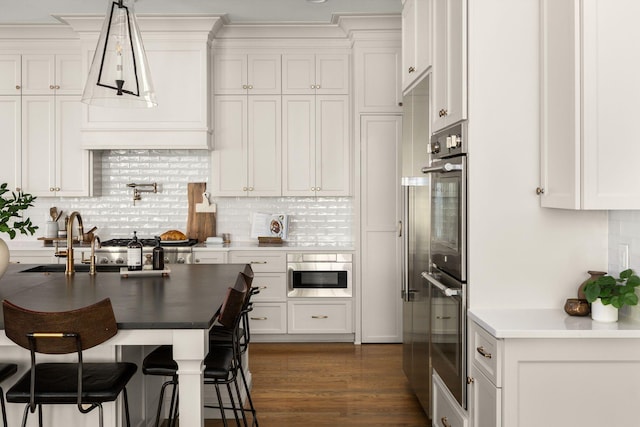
(268, 318)
(209, 257)
(273, 262)
(446, 411)
(273, 287)
(309, 317)
(486, 353)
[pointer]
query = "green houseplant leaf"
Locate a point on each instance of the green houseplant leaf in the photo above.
(11, 219)
(617, 292)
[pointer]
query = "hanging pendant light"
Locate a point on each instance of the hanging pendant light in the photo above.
(119, 75)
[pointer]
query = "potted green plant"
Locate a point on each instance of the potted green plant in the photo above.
(607, 294)
(12, 220)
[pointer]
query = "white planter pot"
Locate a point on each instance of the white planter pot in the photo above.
(603, 313)
(4, 257)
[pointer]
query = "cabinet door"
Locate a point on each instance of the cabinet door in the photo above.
(229, 165)
(377, 82)
(561, 135)
(485, 400)
(10, 75)
(298, 136)
(72, 162)
(450, 63)
(423, 31)
(332, 147)
(38, 74)
(311, 317)
(609, 105)
(298, 74)
(380, 174)
(264, 75)
(264, 156)
(68, 78)
(230, 74)
(38, 145)
(332, 74)
(408, 43)
(11, 136)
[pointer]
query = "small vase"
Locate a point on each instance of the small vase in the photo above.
(593, 275)
(4, 257)
(603, 313)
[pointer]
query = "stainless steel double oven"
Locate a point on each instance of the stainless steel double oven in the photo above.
(447, 275)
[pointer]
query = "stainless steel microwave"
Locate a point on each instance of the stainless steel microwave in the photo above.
(319, 275)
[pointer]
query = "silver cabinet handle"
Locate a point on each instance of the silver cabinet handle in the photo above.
(319, 317)
(445, 290)
(258, 318)
(445, 422)
(483, 352)
(257, 262)
(262, 288)
(399, 228)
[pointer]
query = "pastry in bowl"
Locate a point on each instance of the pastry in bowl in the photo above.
(173, 235)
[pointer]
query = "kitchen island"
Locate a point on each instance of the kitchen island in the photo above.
(178, 310)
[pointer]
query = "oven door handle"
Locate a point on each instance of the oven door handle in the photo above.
(445, 290)
(447, 167)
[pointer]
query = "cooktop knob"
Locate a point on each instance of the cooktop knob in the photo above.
(435, 147)
(119, 261)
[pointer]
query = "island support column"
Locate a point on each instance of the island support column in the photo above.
(189, 349)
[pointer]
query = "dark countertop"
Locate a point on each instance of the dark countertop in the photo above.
(187, 299)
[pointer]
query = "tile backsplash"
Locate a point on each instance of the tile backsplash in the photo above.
(624, 231)
(312, 220)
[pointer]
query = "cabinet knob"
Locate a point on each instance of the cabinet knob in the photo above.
(313, 86)
(244, 188)
(250, 86)
(445, 422)
(250, 188)
(57, 188)
(52, 189)
(244, 86)
(57, 86)
(52, 87)
(470, 380)
(539, 191)
(443, 113)
(317, 86)
(18, 87)
(412, 69)
(18, 189)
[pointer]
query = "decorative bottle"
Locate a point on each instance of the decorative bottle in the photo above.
(158, 255)
(134, 254)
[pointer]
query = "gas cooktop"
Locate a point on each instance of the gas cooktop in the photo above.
(116, 243)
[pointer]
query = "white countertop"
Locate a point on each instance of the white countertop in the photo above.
(550, 323)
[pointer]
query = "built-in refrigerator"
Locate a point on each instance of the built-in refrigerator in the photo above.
(416, 312)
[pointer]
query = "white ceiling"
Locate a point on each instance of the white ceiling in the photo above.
(237, 11)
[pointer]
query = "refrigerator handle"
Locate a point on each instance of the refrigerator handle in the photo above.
(399, 228)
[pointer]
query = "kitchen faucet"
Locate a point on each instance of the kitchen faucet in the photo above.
(95, 242)
(75, 214)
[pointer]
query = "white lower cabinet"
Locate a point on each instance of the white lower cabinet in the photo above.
(554, 382)
(446, 410)
(305, 317)
(268, 318)
(203, 256)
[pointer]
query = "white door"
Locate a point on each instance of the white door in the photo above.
(38, 74)
(332, 74)
(298, 74)
(69, 76)
(10, 75)
(38, 145)
(229, 165)
(264, 74)
(298, 137)
(230, 74)
(381, 137)
(332, 147)
(72, 162)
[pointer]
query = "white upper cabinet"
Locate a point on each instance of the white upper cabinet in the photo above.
(11, 137)
(255, 74)
(316, 148)
(322, 74)
(247, 154)
(53, 163)
(416, 40)
(590, 104)
(377, 81)
(49, 74)
(449, 63)
(10, 74)
(41, 74)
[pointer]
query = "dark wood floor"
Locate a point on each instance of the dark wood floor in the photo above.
(335, 384)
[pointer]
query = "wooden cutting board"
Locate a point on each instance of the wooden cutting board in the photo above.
(200, 225)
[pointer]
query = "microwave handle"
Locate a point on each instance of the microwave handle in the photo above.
(447, 167)
(445, 290)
